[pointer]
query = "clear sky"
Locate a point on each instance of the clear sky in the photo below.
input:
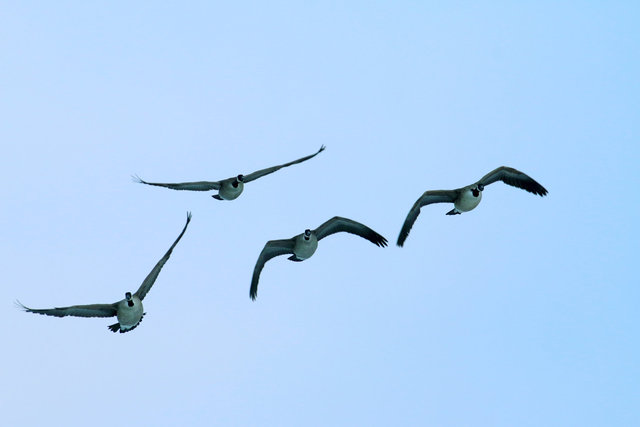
(522, 312)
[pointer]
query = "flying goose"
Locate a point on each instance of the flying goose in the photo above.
(129, 310)
(304, 245)
(467, 198)
(230, 188)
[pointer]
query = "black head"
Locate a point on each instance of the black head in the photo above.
(238, 179)
(128, 296)
(307, 234)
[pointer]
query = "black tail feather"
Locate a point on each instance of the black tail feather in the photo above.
(116, 326)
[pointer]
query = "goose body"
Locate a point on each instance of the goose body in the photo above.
(129, 310)
(304, 245)
(129, 313)
(230, 188)
(467, 198)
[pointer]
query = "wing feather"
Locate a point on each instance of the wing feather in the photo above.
(153, 275)
(338, 224)
(514, 178)
(427, 198)
(272, 248)
(258, 174)
(191, 186)
(89, 310)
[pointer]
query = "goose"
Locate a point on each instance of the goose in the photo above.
(304, 245)
(230, 188)
(129, 310)
(467, 198)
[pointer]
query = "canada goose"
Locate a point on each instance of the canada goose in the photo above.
(304, 245)
(129, 310)
(230, 188)
(467, 198)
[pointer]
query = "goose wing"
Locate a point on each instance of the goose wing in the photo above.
(427, 198)
(153, 275)
(272, 248)
(514, 178)
(89, 310)
(191, 186)
(338, 224)
(258, 174)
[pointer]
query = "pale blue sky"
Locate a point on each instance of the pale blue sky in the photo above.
(522, 312)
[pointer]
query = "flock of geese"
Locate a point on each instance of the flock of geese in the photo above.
(130, 312)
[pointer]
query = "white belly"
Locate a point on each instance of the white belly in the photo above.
(303, 248)
(467, 201)
(229, 192)
(128, 317)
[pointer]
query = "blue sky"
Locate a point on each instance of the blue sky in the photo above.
(521, 312)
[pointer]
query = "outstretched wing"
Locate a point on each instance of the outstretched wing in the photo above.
(153, 275)
(90, 310)
(427, 198)
(191, 186)
(338, 224)
(273, 248)
(514, 178)
(257, 174)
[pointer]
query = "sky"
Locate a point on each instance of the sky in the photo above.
(522, 312)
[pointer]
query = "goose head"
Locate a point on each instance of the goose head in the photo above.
(307, 234)
(476, 191)
(127, 296)
(239, 178)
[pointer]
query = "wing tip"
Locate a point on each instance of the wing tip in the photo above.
(536, 189)
(378, 239)
(404, 232)
(137, 179)
(21, 306)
